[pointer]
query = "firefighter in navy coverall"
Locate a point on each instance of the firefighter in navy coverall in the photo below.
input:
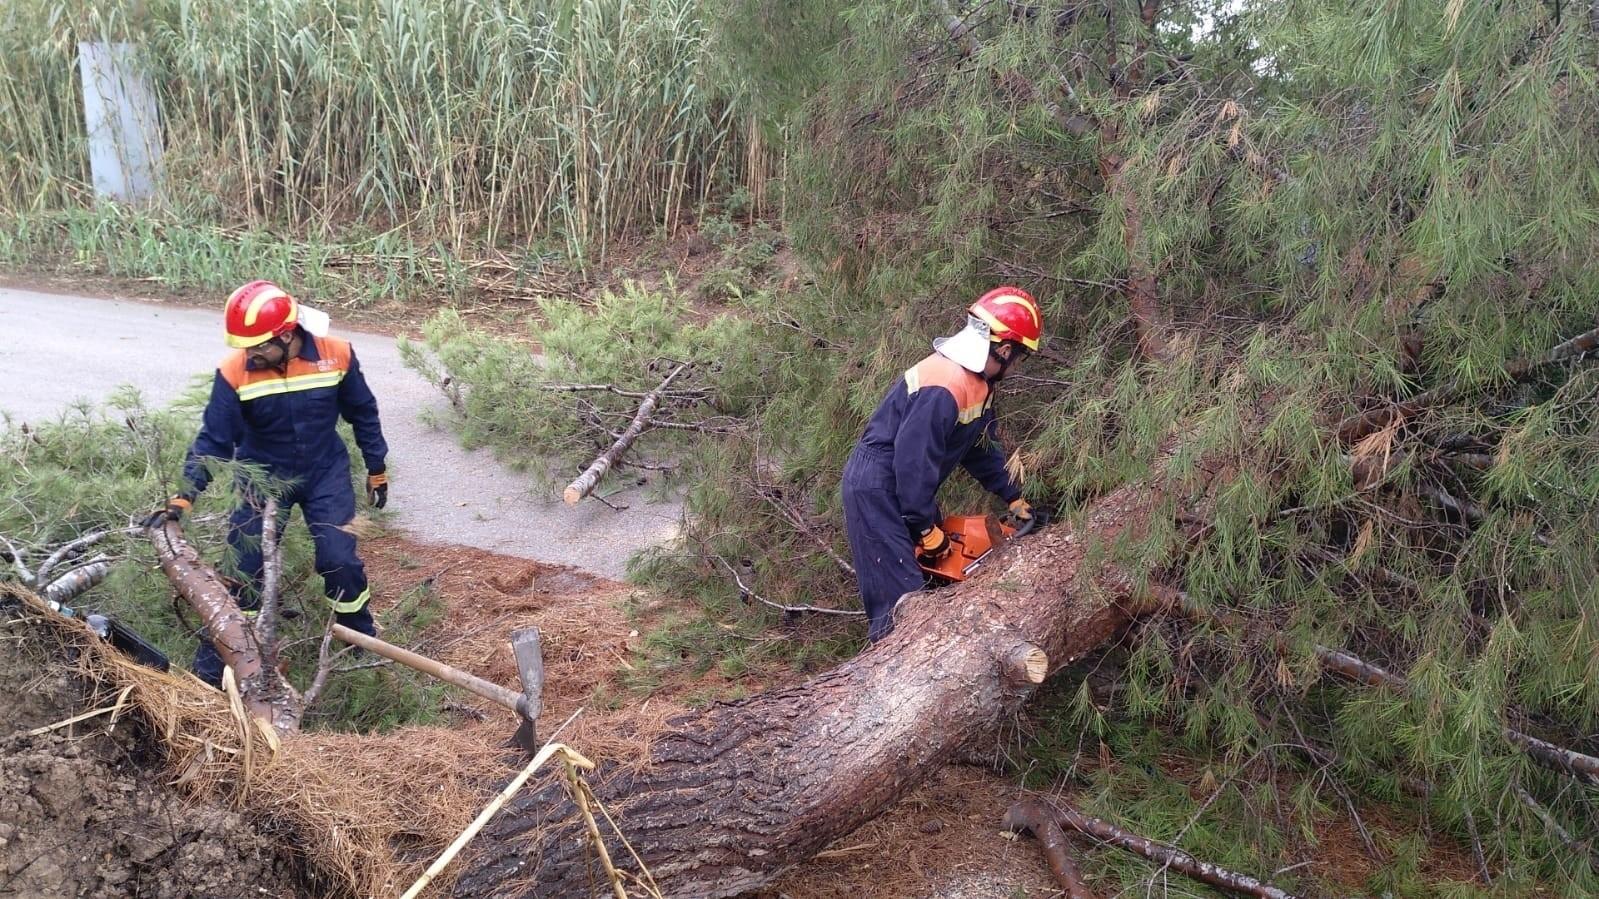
(938, 415)
(275, 402)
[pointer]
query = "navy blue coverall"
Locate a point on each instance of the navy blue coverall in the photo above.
(285, 420)
(938, 416)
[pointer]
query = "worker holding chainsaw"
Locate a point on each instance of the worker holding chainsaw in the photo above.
(275, 402)
(939, 414)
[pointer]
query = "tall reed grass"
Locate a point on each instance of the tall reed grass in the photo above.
(477, 122)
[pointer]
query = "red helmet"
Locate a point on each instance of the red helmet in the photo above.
(258, 312)
(1011, 314)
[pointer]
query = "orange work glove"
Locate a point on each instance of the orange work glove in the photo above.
(1021, 509)
(377, 489)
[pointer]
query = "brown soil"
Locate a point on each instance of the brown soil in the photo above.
(85, 812)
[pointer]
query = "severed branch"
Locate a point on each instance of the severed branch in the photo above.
(266, 621)
(77, 581)
(1027, 813)
(266, 694)
(585, 483)
(1034, 817)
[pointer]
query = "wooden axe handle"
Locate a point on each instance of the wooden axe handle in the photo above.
(490, 691)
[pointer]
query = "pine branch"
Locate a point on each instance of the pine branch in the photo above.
(1577, 765)
(73, 547)
(585, 483)
(266, 621)
(1363, 424)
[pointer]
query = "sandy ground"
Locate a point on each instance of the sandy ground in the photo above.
(57, 349)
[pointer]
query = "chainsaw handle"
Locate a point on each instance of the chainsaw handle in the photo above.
(1027, 525)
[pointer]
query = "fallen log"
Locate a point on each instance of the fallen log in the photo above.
(585, 483)
(267, 695)
(1029, 813)
(733, 795)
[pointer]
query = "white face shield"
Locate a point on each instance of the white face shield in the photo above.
(314, 321)
(969, 347)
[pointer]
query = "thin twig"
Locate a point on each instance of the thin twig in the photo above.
(324, 665)
(745, 593)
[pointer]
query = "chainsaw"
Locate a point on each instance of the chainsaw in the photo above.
(973, 539)
(117, 634)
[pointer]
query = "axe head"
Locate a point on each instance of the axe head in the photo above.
(530, 670)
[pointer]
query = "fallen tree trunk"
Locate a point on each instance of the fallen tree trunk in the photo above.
(266, 693)
(734, 795)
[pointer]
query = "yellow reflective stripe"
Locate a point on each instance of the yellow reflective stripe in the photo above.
(270, 386)
(970, 413)
(913, 381)
(261, 299)
(998, 330)
(354, 605)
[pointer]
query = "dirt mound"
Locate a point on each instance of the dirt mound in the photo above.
(84, 813)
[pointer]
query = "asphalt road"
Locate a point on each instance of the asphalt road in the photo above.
(58, 349)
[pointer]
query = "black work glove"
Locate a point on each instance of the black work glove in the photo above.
(377, 489)
(172, 511)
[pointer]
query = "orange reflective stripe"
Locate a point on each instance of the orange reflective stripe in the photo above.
(969, 390)
(233, 369)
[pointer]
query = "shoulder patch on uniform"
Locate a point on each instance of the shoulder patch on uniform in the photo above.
(335, 354)
(969, 390)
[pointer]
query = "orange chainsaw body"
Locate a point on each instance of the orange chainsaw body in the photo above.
(972, 539)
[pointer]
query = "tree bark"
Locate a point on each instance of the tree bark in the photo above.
(733, 795)
(267, 695)
(1167, 856)
(1038, 819)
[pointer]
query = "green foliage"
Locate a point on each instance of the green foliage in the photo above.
(174, 250)
(521, 402)
(483, 123)
(91, 469)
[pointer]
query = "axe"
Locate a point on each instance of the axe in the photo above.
(529, 668)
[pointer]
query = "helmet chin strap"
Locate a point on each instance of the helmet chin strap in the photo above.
(282, 342)
(1004, 363)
